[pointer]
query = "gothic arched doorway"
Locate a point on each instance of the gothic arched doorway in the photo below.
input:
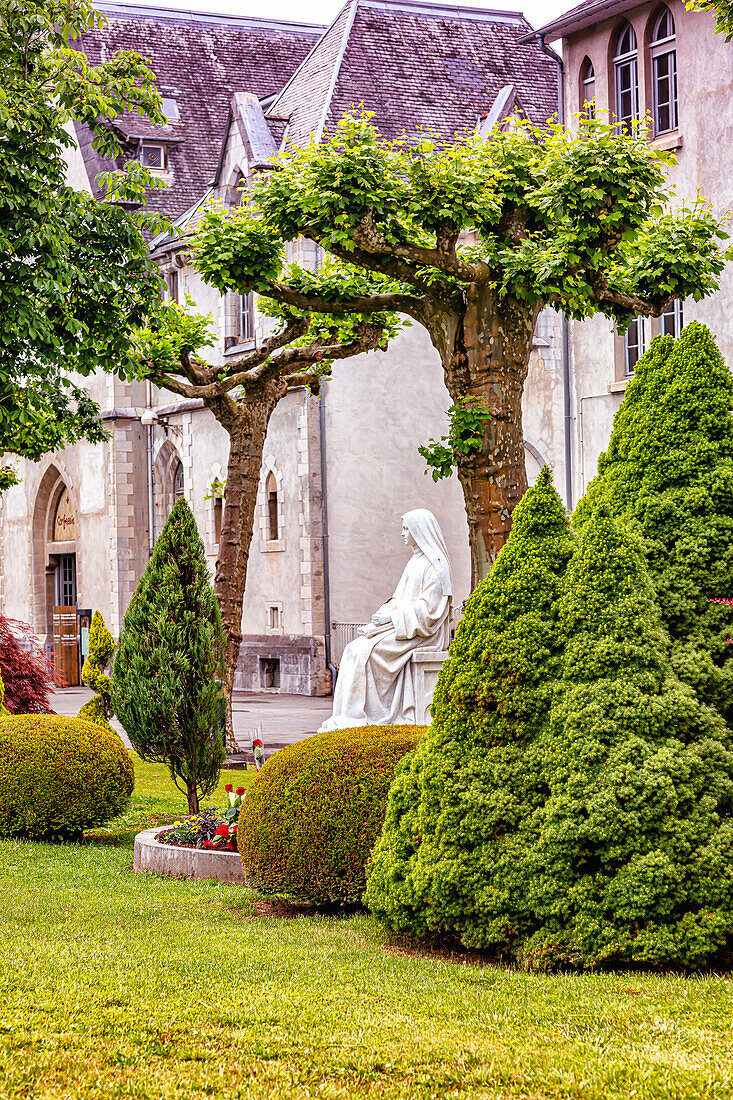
(55, 569)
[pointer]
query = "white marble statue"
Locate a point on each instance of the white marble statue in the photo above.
(375, 683)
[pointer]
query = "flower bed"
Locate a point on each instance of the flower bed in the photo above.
(180, 861)
(201, 846)
(209, 828)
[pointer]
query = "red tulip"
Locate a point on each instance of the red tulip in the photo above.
(240, 790)
(229, 788)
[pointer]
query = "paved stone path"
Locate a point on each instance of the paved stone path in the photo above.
(283, 719)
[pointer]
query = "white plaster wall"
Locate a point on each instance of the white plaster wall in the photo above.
(379, 409)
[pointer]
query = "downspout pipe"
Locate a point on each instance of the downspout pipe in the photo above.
(324, 528)
(150, 475)
(567, 405)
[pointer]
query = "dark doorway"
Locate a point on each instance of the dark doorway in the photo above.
(65, 636)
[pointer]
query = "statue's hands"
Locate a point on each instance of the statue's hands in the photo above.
(380, 618)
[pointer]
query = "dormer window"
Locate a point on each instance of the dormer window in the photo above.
(154, 155)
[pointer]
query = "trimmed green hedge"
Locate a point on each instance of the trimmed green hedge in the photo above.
(59, 776)
(310, 819)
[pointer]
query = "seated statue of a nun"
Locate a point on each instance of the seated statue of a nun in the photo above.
(375, 684)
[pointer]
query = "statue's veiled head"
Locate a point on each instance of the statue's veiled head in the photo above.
(421, 531)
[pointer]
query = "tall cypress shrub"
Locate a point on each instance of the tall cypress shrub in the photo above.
(668, 471)
(461, 807)
(633, 860)
(170, 655)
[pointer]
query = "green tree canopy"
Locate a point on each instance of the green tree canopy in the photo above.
(461, 808)
(75, 275)
(668, 471)
(472, 238)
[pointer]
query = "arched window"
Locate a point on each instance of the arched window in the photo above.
(664, 72)
(178, 482)
(588, 88)
(626, 76)
(272, 508)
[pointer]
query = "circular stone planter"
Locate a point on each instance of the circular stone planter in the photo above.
(167, 859)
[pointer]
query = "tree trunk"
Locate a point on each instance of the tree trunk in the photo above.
(485, 352)
(246, 422)
(193, 799)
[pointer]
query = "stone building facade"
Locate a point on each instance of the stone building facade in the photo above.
(338, 470)
(636, 59)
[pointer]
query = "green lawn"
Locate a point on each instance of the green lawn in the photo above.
(121, 985)
(156, 801)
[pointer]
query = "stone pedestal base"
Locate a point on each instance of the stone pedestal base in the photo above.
(427, 664)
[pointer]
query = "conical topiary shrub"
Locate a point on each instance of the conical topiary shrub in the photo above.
(461, 806)
(101, 647)
(668, 471)
(169, 658)
(633, 861)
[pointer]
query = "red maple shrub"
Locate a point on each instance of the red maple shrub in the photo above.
(26, 671)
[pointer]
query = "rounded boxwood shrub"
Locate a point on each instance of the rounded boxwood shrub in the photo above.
(311, 817)
(59, 776)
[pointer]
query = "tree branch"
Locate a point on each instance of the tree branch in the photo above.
(383, 263)
(642, 306)
(444, 256)
(283, 364)
(368, 340)
(364, 303)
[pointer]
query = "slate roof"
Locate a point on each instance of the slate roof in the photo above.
(584, 15)
(415, 64)
(200, 61)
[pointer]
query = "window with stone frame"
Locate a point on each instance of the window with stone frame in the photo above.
(271, 508)
(239, 320)
(178, 482)
(634, 345)
(171, 280)
(273, 512)
(672, 320)
(588, 88)
(663, 50)
(247, 318)
(218, 510)
(626, 76)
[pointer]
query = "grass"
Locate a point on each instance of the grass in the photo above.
(121, 985)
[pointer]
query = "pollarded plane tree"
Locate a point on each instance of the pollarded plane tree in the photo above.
(242, 394)
(473, 238)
